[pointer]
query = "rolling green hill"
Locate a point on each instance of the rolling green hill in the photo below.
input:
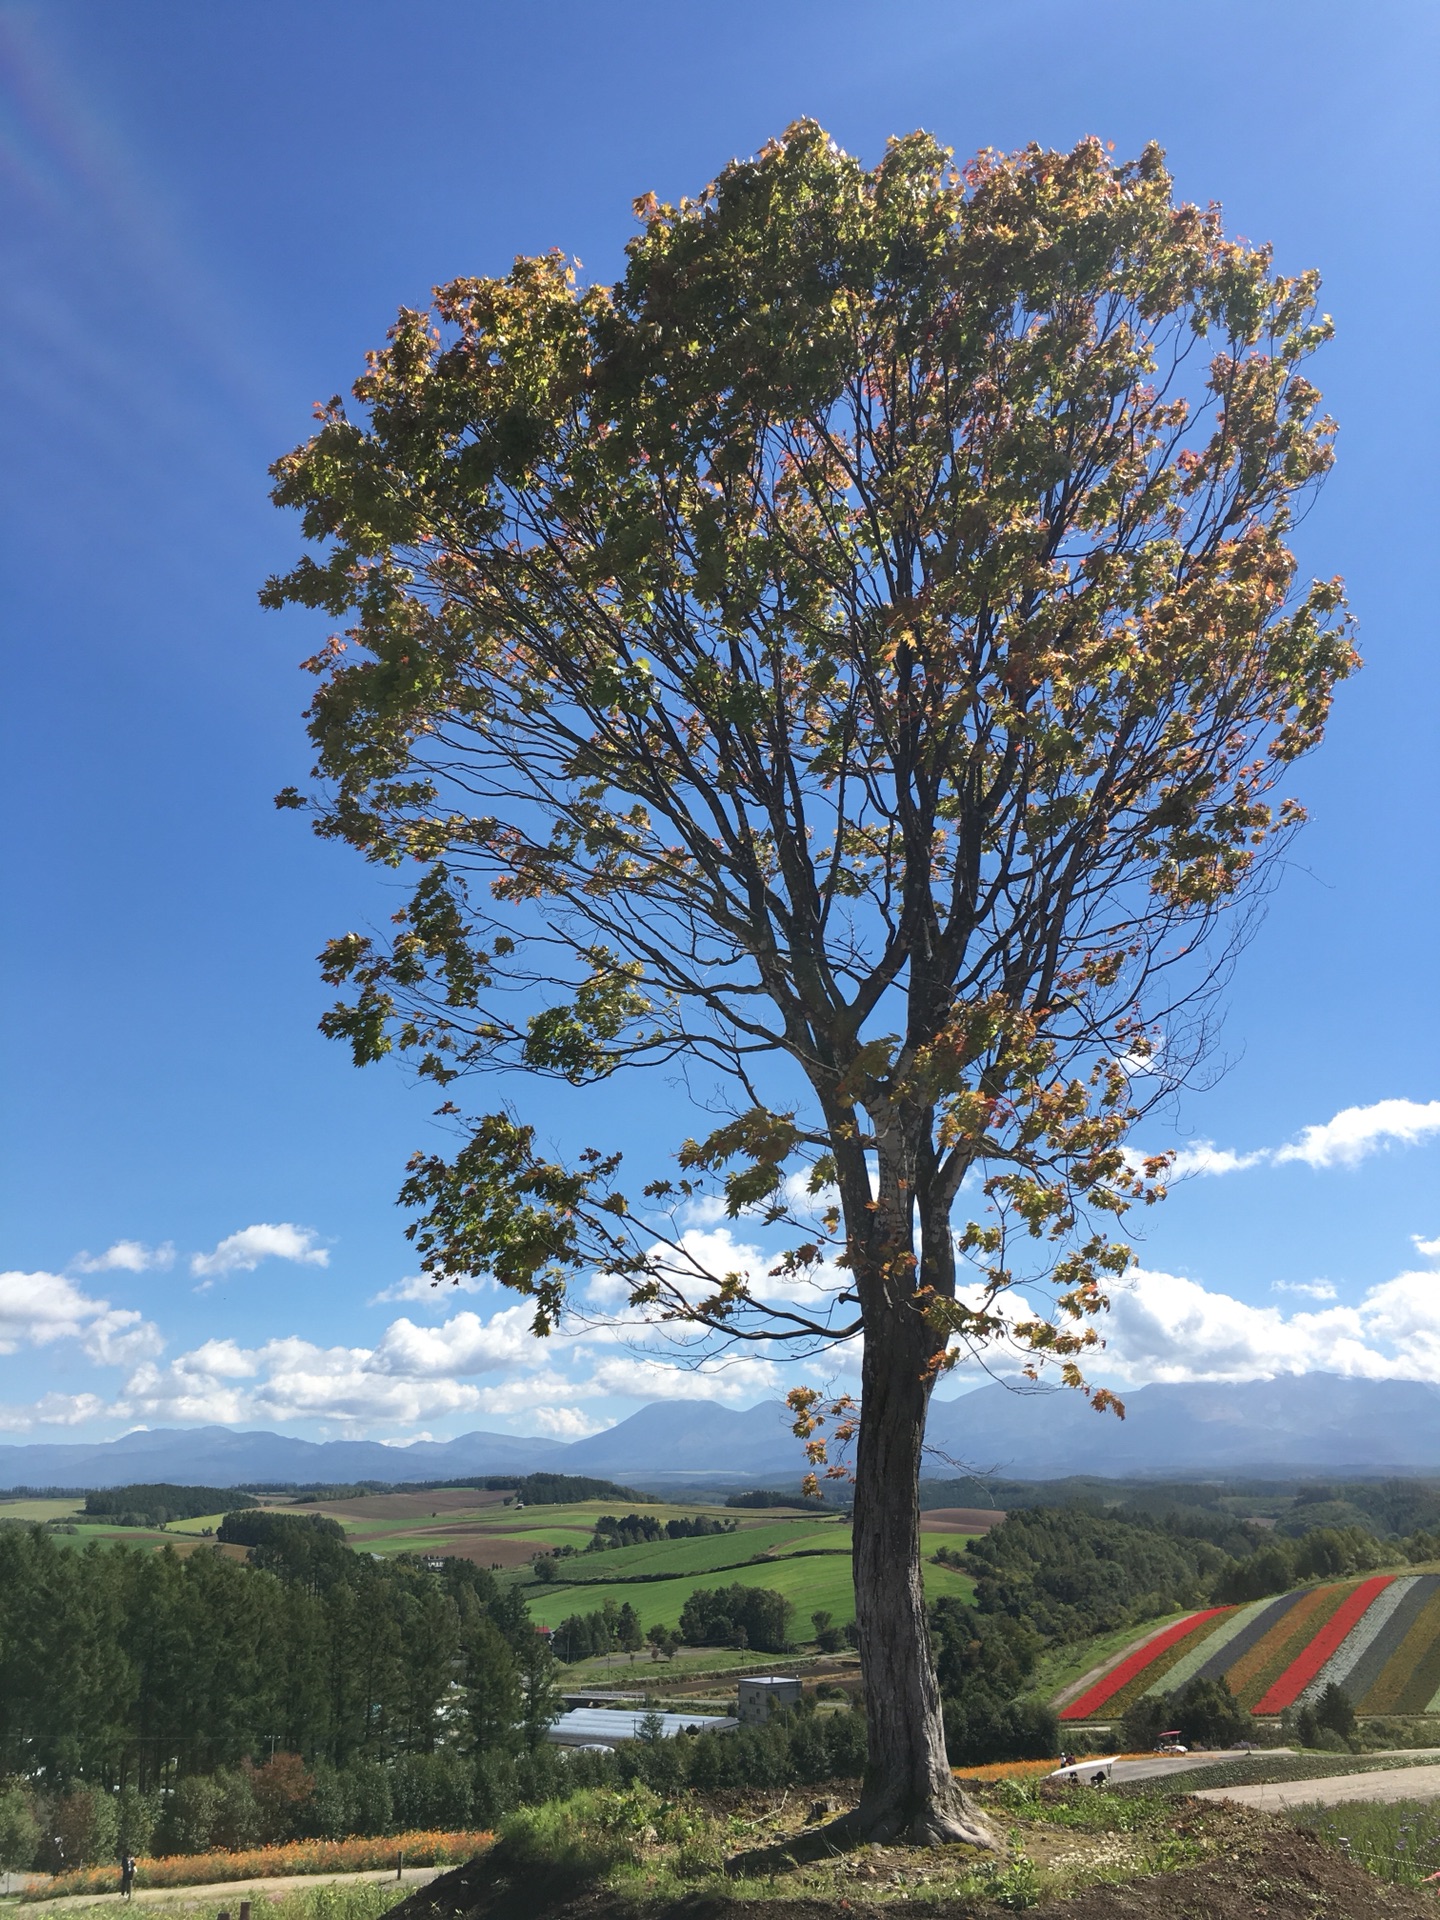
(809, 1574)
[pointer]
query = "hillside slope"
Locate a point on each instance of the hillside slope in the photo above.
(1378, 1638)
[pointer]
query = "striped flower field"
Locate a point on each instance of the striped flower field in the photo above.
(1379, 1638)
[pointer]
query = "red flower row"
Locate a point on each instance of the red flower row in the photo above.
(1105, 1689)
(1302, 1670)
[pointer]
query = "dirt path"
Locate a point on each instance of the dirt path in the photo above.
(231, 1892)
(1395, 1783)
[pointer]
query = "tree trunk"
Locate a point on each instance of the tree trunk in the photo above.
(909, 1792)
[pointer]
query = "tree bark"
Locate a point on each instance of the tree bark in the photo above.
(909, 1792)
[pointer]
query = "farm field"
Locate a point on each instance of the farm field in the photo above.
(1377, 1637)
(800, 1553)
(806, 1556)
(33, 1511)
(814, 1573)
(479, 1526)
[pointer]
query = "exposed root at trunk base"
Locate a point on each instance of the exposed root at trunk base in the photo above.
(941, 1820)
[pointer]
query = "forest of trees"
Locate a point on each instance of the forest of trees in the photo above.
(168, 1705)
(137, 1668)
(311, 1690)
(1072, 1571)
(158, 1505)
(737, 1616)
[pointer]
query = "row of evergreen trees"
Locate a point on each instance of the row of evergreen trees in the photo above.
(124, 1667)
(638, 1529)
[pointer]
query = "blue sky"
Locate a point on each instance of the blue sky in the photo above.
(208, 214)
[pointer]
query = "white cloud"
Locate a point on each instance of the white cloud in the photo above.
(532, 1392)
(412, 1374)
(720, 1379)
(52, 1410)
(1352, 1136)
(242, 1252)
(1427, 1249)
(569, 1423)
(1311, 1289)
(419, 1287)
(1206, 1157)
(608, 1290)
(462, 1344)
(126, 1256)
(67, 1409)
(1358, 1131)
(1164, 1327)
(120, 1337)
(38, 1308)
(286, 1380)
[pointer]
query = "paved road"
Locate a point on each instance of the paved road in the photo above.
(1159, 1766)
(229, 1893)
(1395, 1783)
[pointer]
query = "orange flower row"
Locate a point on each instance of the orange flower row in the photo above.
(421, 1849)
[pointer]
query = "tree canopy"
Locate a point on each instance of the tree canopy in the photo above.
(851, 660)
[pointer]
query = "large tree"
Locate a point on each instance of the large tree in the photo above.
(849, 662)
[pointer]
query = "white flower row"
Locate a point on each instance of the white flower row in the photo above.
(1358, 1642)
(1190, 1664)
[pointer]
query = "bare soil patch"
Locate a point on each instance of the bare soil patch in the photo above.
(485, 1549)
(960, 1519)
(1269, 1870)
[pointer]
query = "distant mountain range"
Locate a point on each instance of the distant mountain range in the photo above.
(1304, 1424)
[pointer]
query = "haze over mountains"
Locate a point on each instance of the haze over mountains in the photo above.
(1301, 1424)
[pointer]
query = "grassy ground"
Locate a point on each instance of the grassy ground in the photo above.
(1399, 1839)
(710, 1553)
(40, 1510)
(763, 1846)
(693, 1665)
(810, 1581)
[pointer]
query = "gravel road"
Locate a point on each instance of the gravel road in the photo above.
(1392, 1783)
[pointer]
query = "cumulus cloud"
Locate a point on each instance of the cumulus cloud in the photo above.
(1352, 1136)
(569, 1423)
(1427, 1249)
(724, 1378)
(463, 1344)
(1311, 1289)
(413, 1373)
(1165, 1327)
(419, 1287)
(242, 1252)
(120, 1336)
(52, 1410)
(282, 1381)
(37, 1309)
(126, 1256)
(1356, 1132)
(1206, 1157)
(534, 1392)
